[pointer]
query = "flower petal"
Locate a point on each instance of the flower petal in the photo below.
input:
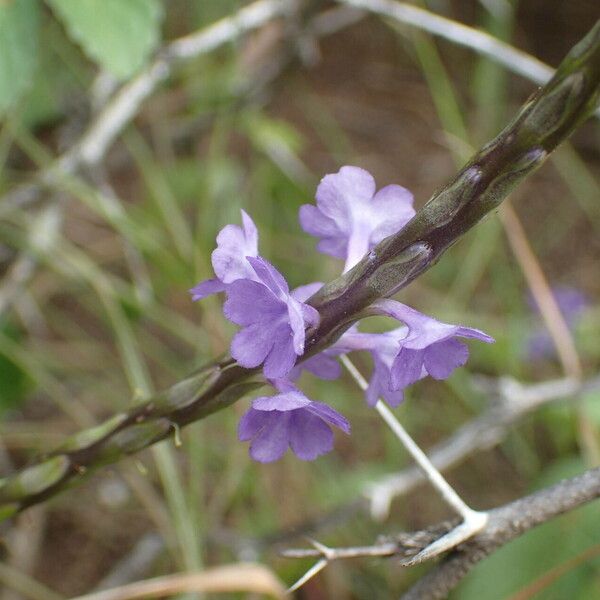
(309, 436)
(251, 345)
(393, 397)
(442, 358)
(359, 241)
(251, 423)
(322, 366)
(332, 416)
(250, 234)
(373, 393)
(206, 288)
(314, 222)
(282, 356)
(337, 192)
(406, 368)
(297, 325)
(229, 258)
(251, 302)
(423, 330)
(304, 292)
(469, 332)
(269, 275)
(271, 442)
(379, 382)
(393, 206)
(281, 402)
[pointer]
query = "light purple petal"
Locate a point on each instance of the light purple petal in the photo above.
(291, 400)
(356, 340)
(229, 258)
(251, 302)
(309, 435)
(206, 288)
(296, 321)
(359, 240)
(373, 393)
(310, 315)
(251, 423)
(442, 358)
(379, 382)
(251, 345)
(406, 368)
(423, 330)
(332, 416)
(269, 275)
(469, 332)
(337, 193)
(393, 205)
(250, 234)
(304, 292)
(322, 366)
(266, 309)
(271, 442)
(336, 247)
(282, 357)
(393, 398)
(314, 222)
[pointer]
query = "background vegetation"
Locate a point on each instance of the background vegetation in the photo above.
(95, 314)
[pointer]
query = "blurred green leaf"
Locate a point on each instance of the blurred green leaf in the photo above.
(14, 382)
(118, 35)
(19, 21)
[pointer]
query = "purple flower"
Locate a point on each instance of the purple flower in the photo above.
(429, 345)
(289, 419)
(351, 218)
(571, 303)
(383, 348)
(273, 321)
(229, 259)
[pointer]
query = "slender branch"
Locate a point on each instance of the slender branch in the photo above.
(505, 524)
(545, 120)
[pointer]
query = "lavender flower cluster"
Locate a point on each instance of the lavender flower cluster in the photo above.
(350, 218)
